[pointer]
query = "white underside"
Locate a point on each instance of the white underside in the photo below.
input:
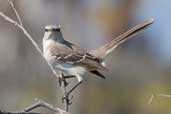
(78, 71)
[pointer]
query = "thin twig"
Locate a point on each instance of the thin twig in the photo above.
(158, 95)
(39, 103)
(11, 112)
(7, 18)
(164, 95)
(65, 98)
(43, 104)
(151, 99)
(16, 13)
(20, 26)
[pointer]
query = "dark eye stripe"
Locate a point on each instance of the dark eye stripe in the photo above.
(53, 29)
(46, 30)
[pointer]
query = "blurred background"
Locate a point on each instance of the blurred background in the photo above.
(137, 69)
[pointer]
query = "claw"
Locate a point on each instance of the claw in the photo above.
(66, 83)
(63, 81)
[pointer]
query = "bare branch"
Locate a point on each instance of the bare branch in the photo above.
(7, 112)
(39, 103)
(63, 82)
(158, 95)
(10, 112)
(151, 99)
(164, 95)
(16, 13)
(7, 18)
(43, 104)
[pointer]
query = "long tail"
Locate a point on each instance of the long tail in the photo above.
(109, 47)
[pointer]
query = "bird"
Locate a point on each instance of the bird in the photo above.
(71, 59)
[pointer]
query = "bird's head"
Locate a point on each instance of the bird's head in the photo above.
(53, 32)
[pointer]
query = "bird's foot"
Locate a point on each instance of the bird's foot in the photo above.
(62, 81)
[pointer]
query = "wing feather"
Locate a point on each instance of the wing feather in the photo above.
(75, 56)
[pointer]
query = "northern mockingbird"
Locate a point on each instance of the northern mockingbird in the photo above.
(72, 60)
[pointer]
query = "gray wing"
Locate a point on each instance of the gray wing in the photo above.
(72, 54)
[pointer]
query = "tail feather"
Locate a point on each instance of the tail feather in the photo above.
(97, 73)
(109, 47)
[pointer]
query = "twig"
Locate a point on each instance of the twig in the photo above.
(7, 18)
(158, 95)
(151, 99)
(43, 104)
(20, 26)
(16, 13)
(7, 112)
(66, 100)
(37, 104)
(164, 95)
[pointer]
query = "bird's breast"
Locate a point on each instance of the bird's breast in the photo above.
(46, 50)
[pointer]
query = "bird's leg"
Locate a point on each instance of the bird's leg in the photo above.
(62, 80)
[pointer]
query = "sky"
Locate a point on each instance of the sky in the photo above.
(160, 32)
